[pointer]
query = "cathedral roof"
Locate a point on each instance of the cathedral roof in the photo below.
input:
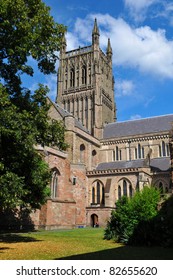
(138, 127)
(65, 113)
(156, 164)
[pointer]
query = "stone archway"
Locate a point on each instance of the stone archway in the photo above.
(94, 220)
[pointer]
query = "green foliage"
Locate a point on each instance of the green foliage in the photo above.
(158, 230)
(27, 31)
(130, 212)
(164, 222)
(144, 203)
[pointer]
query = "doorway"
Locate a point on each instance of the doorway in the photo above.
(94, 220)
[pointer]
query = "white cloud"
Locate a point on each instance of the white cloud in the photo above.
(72, 41)
(142, 48)
(138, 8)
(124, 88)
(166, 12)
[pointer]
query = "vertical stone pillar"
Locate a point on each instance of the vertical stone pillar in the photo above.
(80, 108)
(83, 112)
(74, 149)
(89, 157)
(89, 113)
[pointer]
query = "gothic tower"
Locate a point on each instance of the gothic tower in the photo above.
(86, 84)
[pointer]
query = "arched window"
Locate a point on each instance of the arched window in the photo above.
(98, 193)
(119, 192)
(113, 155)
(86, 111)
(77, 108)
(77, 78)
(72, 105)
(120, 155)
(117, 157)
(103, 196)
(72, 77)
(93, 195)
(161, 187)
(82, 153)
(136, 153)
(66, 81)
(130, 191)
(84, 76)
(163, 149)
(68, 106)
(64, 103)
(139, 151)
(94, 158)
(54, 183)
(124, 188)
(160, 151)
(167, 150)
(89, 75)
(143, 152)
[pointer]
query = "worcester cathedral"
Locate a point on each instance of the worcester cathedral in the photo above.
(106, 159)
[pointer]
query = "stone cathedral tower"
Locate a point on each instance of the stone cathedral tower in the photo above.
(86, 84)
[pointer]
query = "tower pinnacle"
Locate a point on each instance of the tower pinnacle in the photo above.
(95, 29)
(109, 48)
(95, 34)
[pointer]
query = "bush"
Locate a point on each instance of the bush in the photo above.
(130, 212)
(157, 231)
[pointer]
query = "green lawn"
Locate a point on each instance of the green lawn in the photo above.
(73, 244)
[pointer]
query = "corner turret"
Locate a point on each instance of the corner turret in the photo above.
(95, 34)
(109, 50)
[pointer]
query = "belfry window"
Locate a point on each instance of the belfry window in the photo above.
(84, 75)
(72, 78)
(66, 81)
(89, 75)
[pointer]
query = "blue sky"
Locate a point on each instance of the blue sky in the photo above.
(141, 34)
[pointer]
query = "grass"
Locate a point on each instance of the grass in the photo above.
(83, 244)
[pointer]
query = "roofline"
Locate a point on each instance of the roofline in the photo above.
(154, 117)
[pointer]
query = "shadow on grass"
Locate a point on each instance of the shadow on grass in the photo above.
(126, 253)
(3, 249)
(16, 238)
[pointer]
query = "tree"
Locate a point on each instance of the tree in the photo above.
(130, 212)
(26, 31)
